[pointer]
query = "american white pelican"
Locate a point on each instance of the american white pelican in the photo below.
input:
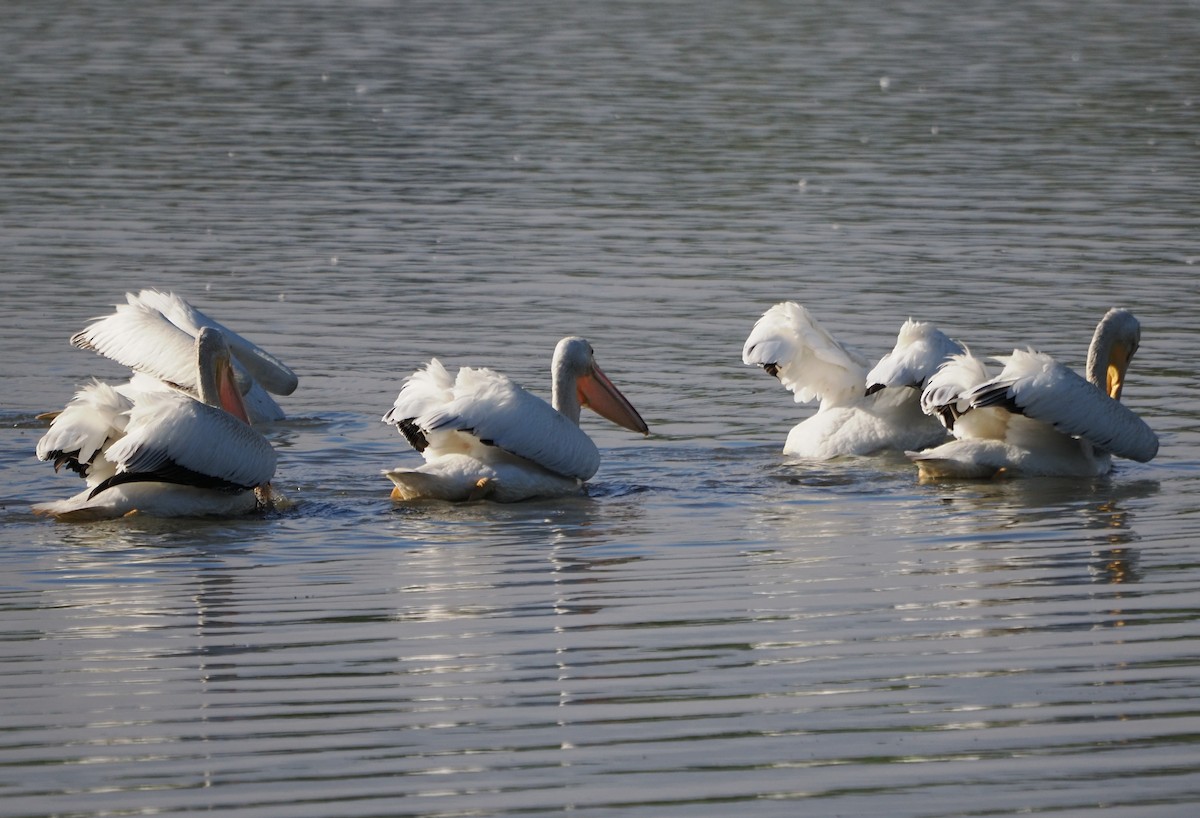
(484, 437)
(161, 452)
(860, 412)
(1038, 417)
(153, 335)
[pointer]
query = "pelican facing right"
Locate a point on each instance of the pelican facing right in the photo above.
(1038, 417)
(485, 438)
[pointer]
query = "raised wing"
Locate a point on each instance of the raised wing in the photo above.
(789, 343)
(95, 416)
(920, 349)
(272, 373)
(154, 334)
(944, 395)
(141, 338)
(424, 392)
(1035, 385)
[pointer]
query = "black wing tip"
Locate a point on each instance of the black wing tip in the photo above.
(947, 415)
(997, 395)
(83, 340)
(413, 433)
(68, 459)
(174, 474)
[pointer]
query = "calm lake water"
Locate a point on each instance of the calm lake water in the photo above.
(714, 629)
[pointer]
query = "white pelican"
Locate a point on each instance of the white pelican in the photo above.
(860, 412)
(484, 437)
(161, 452)
(1037, 417)
(153, 335)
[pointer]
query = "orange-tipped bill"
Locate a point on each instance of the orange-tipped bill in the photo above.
(227, 389)
(597, 393)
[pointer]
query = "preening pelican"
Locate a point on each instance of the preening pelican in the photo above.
(1038, 417)
(484, 437)
(161, 452)
(860, 411)
(153, 335)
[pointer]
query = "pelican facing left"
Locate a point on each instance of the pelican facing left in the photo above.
(485, 437)
(161, 452)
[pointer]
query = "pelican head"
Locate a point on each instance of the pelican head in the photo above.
(1113, 345)
(579, 382)
(218, 384)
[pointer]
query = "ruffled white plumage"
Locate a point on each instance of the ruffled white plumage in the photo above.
(483, 436)
(809, 361)
(167, 430)
(1037, 416)
(105, 434)
(153, 334)
(141, 338)
(860, 412)
(83, 430)
(920, 349)
(487, 406)
(271, 373)
(945, 393)
(1045, 390)
(480, 425)
(157, 451)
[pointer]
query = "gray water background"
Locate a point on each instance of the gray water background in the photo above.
(715, 629)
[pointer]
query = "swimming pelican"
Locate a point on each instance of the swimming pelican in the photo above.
(484, 437)
(860, 411)
(153, 335)
(161, 452)
(1038, 417)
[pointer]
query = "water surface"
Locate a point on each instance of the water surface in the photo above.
(713, 628)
